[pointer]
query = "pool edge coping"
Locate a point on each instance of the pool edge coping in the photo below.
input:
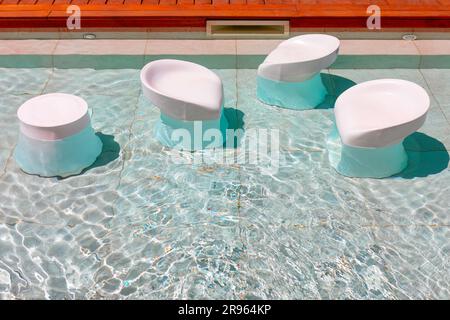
(220, 54)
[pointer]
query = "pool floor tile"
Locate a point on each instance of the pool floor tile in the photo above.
(361, 75)
(438, 80)
(24, 81)
(142, 223)
(89, 81)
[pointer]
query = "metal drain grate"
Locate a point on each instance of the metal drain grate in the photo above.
(247, 28)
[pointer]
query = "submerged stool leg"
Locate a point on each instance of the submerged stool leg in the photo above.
(365, 162)
(191, 135)
(65, 157)
(302, 95)
(372, 120)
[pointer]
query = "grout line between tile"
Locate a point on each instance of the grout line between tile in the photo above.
(47, 81)
(238, 200)
(433, 96)
(130, 135)
(420, 56)
(11, 153)
(144, 55)
(53, 53)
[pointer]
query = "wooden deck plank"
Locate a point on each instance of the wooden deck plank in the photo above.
(350, 13)
(117, 2)
(126, 2)
(19, 14)
(239, 11)
(79, 2)
(22, 2)
(167, 2)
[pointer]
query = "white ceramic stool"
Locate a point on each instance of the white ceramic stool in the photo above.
(290, 77)
(56, 137)
(190, 98)
(372, 120)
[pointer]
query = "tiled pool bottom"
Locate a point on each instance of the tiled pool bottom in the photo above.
(138, 226)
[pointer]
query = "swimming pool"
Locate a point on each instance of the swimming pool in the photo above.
(138, 225)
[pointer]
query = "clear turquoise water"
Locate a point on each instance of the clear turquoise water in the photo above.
(136, 225)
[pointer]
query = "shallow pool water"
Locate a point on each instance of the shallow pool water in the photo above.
(138, 225)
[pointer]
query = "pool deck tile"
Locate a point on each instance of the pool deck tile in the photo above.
(256, 47)
(433, 47)
(212, 53)
(100, 47)
(27, 47)
(210, 47)
(191, 47)
(377, 47)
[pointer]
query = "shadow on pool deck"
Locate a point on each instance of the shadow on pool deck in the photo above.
(335, 86)
(426, 156)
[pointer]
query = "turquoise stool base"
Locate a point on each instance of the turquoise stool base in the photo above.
(365, 162)
(63, 158)
(191, 135)
(292, 95)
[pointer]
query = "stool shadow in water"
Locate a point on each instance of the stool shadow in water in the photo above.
(235, 120)
(110, 152)
(426, 156)
(335, 86)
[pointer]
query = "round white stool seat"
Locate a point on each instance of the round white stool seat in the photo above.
(53, 116)
(56, 137)
(186, 93)
(183, 90)
(381, 112)
(300, 58)
(290, 76)
(372, 120)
